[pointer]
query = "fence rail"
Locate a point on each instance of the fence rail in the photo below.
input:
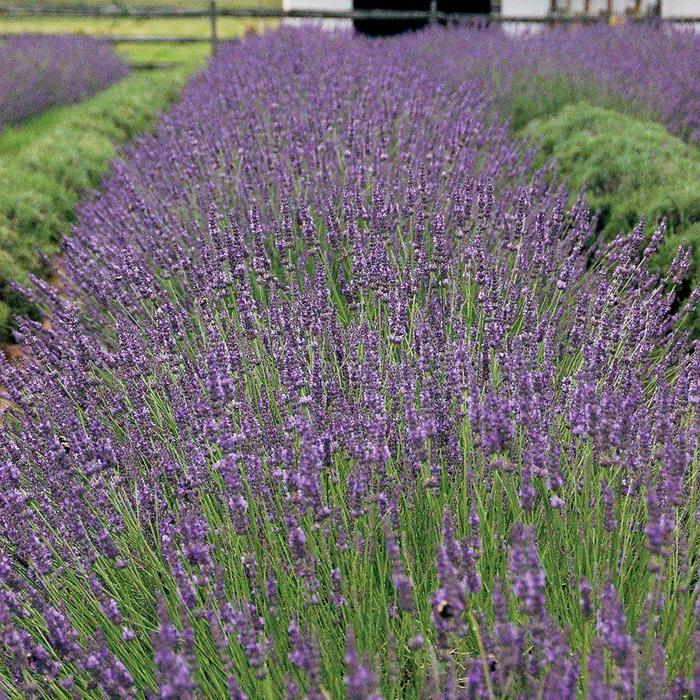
(213, 13)
(117, 11)
(119, 39)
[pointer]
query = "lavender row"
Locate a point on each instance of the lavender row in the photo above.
(37, 72)
(339, 401)
(655, 69)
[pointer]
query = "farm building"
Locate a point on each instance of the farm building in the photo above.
(507, 8)
(391, 26)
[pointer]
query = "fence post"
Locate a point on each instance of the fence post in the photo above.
(433, 11)
(212, 22)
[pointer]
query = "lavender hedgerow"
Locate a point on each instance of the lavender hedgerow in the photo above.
(325, 309)
(652, 69)
(37, 72)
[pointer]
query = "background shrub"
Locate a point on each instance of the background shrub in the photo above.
(631, 168)
(39, 71)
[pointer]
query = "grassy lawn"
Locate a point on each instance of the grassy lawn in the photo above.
(164, 53)
(258, 4)
(227, 28)
(50, 161)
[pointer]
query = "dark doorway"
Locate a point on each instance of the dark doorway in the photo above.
(470, 7)
(393, 26)
(385, 27)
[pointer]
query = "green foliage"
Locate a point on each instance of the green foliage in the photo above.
(164, 53)
(533, 97)
(227, 27)
(631, 168)
(48, 162)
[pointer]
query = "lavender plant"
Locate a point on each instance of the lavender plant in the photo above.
(648, 69)
(37, 72)
(338, 400)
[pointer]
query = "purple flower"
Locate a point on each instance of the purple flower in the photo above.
(585, 601)
(360, 680)
(526, 573)
(402, 582)
(304, 654)
(173, 674)
(611, 628)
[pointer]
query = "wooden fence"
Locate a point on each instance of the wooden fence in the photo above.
(213, 13)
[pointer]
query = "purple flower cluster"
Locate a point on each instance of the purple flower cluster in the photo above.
(338, 399)
(37, 72)
(656, 69)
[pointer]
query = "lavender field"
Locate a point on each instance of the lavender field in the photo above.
(38, 72)
(642, 68)
(343, 397)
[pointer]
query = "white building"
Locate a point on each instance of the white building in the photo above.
(317, 5)
(680, 8)
(537, 8)
(525, 8)
(340, 5)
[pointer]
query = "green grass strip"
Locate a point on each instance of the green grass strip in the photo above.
(48, 162)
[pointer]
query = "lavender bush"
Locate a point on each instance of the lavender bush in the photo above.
(651, 70)
(338, 401)
(37, 72)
